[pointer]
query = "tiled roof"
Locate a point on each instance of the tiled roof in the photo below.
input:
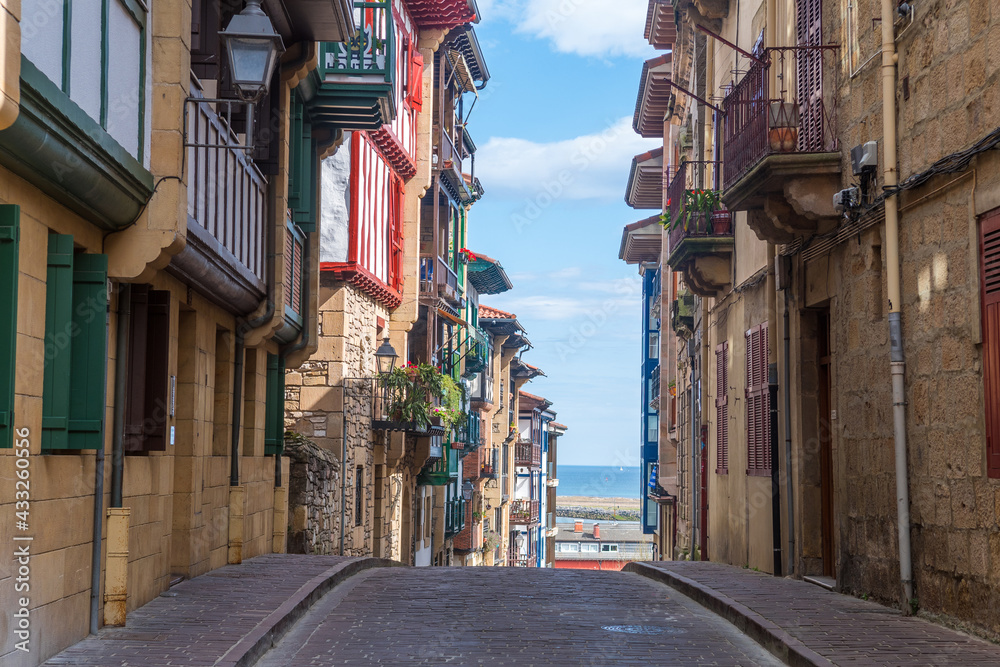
(641, 241)
(495, 313)
(654, 97)
(660, 29)
(532, 399)
(559, 426)
(645, 181)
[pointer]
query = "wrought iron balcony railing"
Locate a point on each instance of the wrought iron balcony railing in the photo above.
(489, 465)
(525, 512)
(759, 122)
(518, 559)
(454, 516)
(477, 355)
(528, 453)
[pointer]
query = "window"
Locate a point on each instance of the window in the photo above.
(589, 548)
(9, 241)
(569, 547)
(95, 52)
(359, 509)
(609, 548)
(76, 330)
(758, 403)
(722, 409)
(989, 275)
(146, 404)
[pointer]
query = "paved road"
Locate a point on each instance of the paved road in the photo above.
(500, 616)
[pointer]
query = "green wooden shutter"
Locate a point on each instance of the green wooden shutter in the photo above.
(303, 160)
(58, 331)
(274, 408)
(88, 361)
(9, 241)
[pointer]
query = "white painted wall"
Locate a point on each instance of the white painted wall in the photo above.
(335, 204)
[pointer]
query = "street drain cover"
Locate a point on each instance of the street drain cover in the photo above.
(640, 629)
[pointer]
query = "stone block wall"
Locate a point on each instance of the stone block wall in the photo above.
(313, 497)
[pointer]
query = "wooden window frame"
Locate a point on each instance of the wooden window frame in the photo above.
(274, 407)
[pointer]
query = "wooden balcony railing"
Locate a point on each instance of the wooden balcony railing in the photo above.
(759, 122)
(517, 559)
(525, 512)
(528, 453)
(370, 51)
(226, 191)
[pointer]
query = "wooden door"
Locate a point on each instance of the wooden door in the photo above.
(826, 445)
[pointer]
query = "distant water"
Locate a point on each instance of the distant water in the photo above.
(598, 481)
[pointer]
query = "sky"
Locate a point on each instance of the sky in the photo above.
(554, 134)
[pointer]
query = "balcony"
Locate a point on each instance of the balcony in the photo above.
(438, 473)
(489, 464)
(481, 390)
(518, 559)
(352, 87)
(386, 415)
(682, 314)
(438, 279)
(700, 241)
(525, 512)
(528, 454)
(454, 516)
(227, 209)
(477, 351)
(782, 159)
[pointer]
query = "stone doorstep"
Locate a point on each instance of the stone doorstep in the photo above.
(271, 629)
(779, 643)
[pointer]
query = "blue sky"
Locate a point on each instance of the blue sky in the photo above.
(555, 142)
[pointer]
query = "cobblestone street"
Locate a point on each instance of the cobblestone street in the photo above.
(506, 616)
(286, 610)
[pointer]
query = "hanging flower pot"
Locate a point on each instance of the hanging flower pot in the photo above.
(783, 126)
(722, 223)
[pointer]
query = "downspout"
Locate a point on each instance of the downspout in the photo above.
(695, 476)
(897, 359)
(772, 389)
(786, 381)
(234, 455)
(304, 338)
(95, 554)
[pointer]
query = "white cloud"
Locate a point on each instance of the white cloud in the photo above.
(593, 166)
(563, 308)
(583, 27)
(567, 273)
(588, 27)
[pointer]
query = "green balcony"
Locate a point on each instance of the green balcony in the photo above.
(454, 516)
(438, 472)
(352, 87)
(477, 354)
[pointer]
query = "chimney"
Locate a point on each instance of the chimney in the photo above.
(597, 531)
(578, 527)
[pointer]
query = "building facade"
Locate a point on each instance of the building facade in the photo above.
(833, 227)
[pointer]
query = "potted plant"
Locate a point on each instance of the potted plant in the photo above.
(783, 126)
(722, 222)
(420, 395)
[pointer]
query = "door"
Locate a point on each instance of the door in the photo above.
(826, 445)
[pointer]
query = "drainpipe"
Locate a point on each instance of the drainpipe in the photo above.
(234, 463)
(695, 476)
(95, 554)
(772, 390)
(121, 379)
(897, 360)
(786, 381)
(303, 339)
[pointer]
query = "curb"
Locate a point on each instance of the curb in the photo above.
(269, 631)
(766, 633)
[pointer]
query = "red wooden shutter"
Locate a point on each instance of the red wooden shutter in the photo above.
(989, 253)
(765, 402)
(722, 408)
(416, 83)
(809, 75)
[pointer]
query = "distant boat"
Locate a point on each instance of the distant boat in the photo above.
(621, 468)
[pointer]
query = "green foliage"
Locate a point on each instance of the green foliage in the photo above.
(415, 388)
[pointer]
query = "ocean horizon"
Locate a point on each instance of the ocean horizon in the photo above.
(598, 481)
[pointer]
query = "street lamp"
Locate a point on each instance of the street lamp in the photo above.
(467, 490)
(385, 357)
(253, 48)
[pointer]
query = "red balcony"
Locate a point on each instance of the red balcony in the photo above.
(528, 454)
(525, 512)
(782, 159)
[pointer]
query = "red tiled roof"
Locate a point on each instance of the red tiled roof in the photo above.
(495, 313)
(558, 425)
(532, 397)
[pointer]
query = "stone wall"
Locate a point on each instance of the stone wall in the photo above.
(313, 489)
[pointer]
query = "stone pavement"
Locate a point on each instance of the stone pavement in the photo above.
(804, 624)
(225, 617)
(510, 616)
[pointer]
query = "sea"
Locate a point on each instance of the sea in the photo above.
(598, 481)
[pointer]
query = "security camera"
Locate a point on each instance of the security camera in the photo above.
(846, 199)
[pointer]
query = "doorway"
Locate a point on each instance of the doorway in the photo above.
(826, 417)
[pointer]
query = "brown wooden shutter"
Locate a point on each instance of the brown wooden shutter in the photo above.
(989, 267)
(722, 408)
(758, 403)
(809, 75)
(157, 371)
(146, 403)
